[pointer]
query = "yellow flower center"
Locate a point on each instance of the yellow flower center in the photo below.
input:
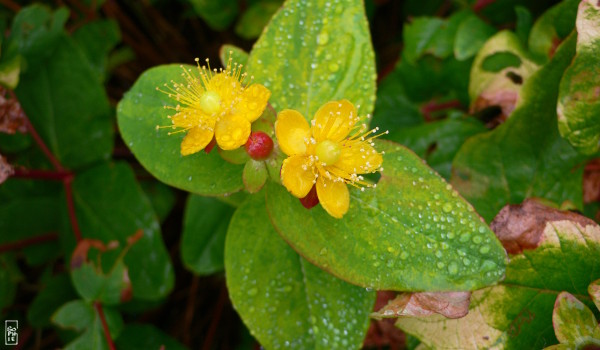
(210, 102)
(328, 152)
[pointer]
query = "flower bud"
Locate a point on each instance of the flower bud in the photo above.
(259, 145)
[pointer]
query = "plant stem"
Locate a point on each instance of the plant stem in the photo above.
(23, 243)
(481, 4)
(98, 307)
(433, 106)
(215, 320)
(71, 207)
(36, 174)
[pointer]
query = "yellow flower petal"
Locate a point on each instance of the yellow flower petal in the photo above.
(232, 131)
(228, 88)
(334, 121)
(333, 196)
(253, 102)
(359, 158)
(297, 175)
(195, 141)
(188, 117)
(292, 131)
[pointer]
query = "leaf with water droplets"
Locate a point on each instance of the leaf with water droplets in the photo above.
(517, 313)
(283, 299)
(138, 114)
(313, 52)
(579, 96)
(412, 232)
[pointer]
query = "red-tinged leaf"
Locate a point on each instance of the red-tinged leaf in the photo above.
(80, 254)
(448, 304)
(127, 291)
(135, 237)
(591, 181)
(594, 291)
(383, 332)
(6, 170)
(521, 226)
(12, 117)
(574, 324)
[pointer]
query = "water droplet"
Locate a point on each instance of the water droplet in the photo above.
(323, 251)
(481, 229)
(440, 265)
(438, 253)
(287, 289)
(447, 207)
(333, 67)
(404, 255)
(252, 291)
(450, 235)
(453, 268)
(390, 249)
(488, 265)
(322, 38)
(465, 237)
(477, 239)
(466, 261)
(484, 249)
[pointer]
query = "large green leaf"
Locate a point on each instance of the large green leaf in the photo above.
(66, 102)
(217, 14)
(140, 111)
(111, 206)
(283, 299)
(97, 39)
(203, 238)
(144, 337)
(579, 95)
(518, 313)
(524, 157)
(312, 53)
(412, 232)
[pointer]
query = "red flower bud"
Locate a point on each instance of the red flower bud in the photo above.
(259, 145)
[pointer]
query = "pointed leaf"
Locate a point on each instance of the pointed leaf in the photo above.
(412, 232)
(517, 313)
(579, 96)
(138, 114)
(283, 299)
(203, 239)
(311, 53)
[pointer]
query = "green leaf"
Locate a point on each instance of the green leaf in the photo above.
(92, 284)
(217, 14)
(82, 316)
(283, 299)
(579, 96)
(418, 36)
(411, 233)
(57, 291)
(551, 28)
(36, 30)
(140, 111)
(10, 276)
(144, 337)
(255, 18)
(161, 196)
(517, 314)
(97, 39)
(518, 159)
(237, 54)
(470, 37)
(524, 23)
(9, 72)
(68, 106)
(111, 206)
(438, 142)
(573, 322)
(203, 239)
(255, 175)
(312, 53)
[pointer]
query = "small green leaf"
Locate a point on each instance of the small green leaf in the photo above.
(283, 299)
(97, 39)
(92, 284)
(517, 314)
(145, 337)
(10, 275)
(111, 206)
(255, 18)
(82, 316)
(140, 111)
(518, 159)
(238, 55)
(203, 239)
(57, 291)
(579, 96)
(524, 23)
(470, 37)
(418, 36)
(312, 53)
(573, 322)
(255, 175)
(217, 14)
(411, 233)
(9, 71)
(551, 28)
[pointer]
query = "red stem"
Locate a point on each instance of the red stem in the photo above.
(71, 207)
(215, 320)
(431, 107)
(22, 173)
(481, 4)
(100, 312)
(23, 243)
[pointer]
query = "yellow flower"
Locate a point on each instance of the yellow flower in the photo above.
(324, 154)
(215, 103)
